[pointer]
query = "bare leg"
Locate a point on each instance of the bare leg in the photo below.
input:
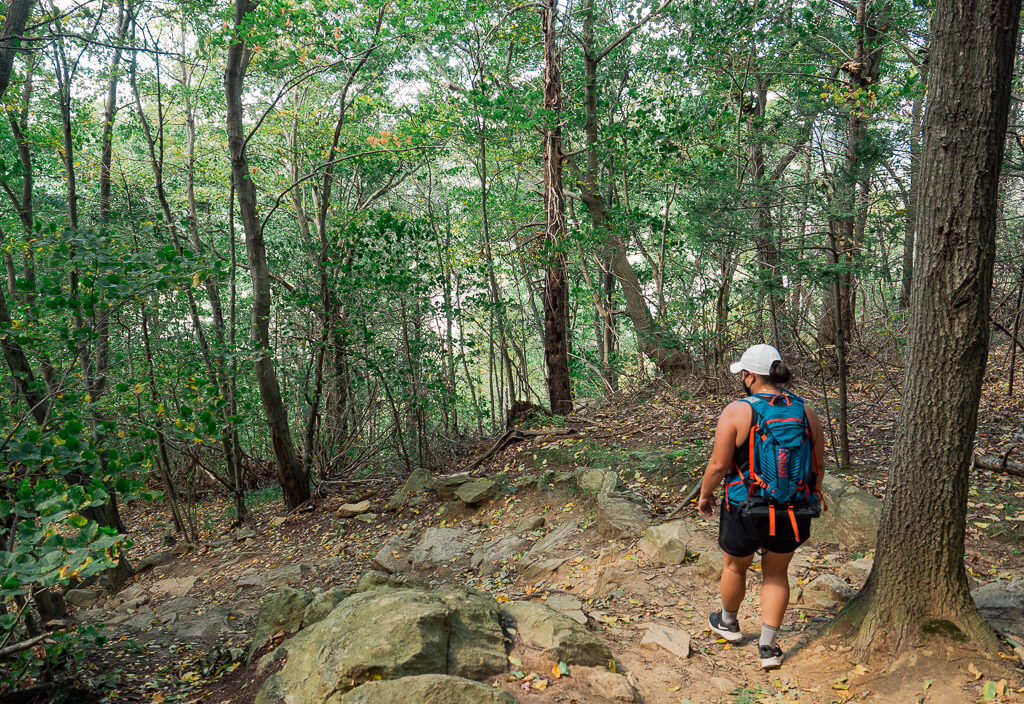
(734, 580)
(774, 588)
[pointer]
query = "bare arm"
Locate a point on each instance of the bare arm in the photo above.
(721, 454)
(818, 439)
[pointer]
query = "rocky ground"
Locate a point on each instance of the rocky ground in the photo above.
(550, 574)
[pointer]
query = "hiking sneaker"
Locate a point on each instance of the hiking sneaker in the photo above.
(731, 633)
(771, 656)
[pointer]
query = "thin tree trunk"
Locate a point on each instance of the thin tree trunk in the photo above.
(294, 482)
(556, 283)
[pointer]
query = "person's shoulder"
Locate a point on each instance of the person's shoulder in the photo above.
(738, 408)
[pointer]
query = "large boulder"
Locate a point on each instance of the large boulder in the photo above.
(666, 544)
(323, 604)
(619, 516)
(439, 546)
(424, 689)
(388, 634)
(852, 516)
(473, 492)
(282, 611)
(476, 643)
(445, 487)
(557, 635)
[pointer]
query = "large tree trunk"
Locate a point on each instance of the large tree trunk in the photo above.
(556, 290)
(17, 14)
(919, 582)
(294, 481)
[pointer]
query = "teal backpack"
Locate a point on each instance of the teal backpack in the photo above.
(782, 473)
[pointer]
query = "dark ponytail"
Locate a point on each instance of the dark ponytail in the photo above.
(779, 373)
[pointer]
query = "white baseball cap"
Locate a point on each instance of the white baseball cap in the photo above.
(757, 359)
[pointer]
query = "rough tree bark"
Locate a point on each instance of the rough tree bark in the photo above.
(556, 288)
(294, 481)
(919, 584)
(18, 12)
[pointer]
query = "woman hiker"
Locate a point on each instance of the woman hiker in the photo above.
(761, 371)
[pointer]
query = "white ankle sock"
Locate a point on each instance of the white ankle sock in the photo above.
(768, 634)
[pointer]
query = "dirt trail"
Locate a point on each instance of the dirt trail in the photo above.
(659, 447)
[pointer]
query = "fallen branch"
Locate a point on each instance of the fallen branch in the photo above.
(515, 435)
(24, 645)
(1002, 465)
(690, 496)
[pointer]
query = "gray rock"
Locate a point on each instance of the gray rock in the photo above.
(857, 570)
(81, 597)
(557, 539)
(172, 587)
(424, 689)
(666, 544)
(277, 577)
(557, 635)
(618, 517)
(1002, 604)
(826, 591)
(393, 556)
(489, 557)
(610, 578)
(150, 561)
(568, 606)
(476, 644)
(419, 481)
(439, 546)
(533, 568)
(852, 516)
(445, 487)
(323, 604)
(374, 579)
(602, 684)
(131, 595)
(710, 563)
(245, 534)
(592, 479)
(353, 510)
(529, 524)
(671, 640)
(475, 491)
(281, 611)
(388, 634)
(206, 625)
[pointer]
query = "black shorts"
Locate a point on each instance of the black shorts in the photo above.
(740, 537)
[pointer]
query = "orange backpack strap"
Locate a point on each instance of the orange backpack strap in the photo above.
(792, 520)
(771, 521)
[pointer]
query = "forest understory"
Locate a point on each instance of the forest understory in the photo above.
(659, 439)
